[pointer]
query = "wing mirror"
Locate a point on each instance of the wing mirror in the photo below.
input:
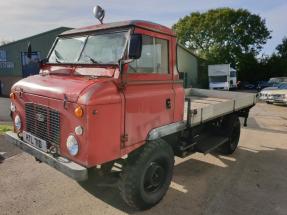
(135, 46)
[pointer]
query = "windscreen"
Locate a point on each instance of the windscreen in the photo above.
(93, 49)
(215, 79)
(274, 80)
(232, 74)
(104, 49)
(282, 86)
(67, 50)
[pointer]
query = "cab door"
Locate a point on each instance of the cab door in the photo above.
(149, 95)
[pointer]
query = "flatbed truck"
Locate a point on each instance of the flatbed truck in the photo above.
(111, 94)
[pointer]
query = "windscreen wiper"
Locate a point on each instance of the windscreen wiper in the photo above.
(58, 56)
(91, 77)
(57, 60)
(92, 59)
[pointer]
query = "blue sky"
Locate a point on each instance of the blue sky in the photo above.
(22, 18)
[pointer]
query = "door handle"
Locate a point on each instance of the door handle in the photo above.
(168, 103)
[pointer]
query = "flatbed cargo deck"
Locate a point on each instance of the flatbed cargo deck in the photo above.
(205, 105)
(202, 106)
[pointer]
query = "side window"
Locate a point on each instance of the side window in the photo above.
(154, 57)
(161, 49)
(146, 62)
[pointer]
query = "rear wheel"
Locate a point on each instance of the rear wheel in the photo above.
(147, 175)
(231, 126)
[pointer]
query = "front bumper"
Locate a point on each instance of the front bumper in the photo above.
(69, 168)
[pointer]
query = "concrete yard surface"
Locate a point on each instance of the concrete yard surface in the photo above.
(4, 110)
(251, 181)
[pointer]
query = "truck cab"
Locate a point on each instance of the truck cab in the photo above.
(111, 93)
(86, 87)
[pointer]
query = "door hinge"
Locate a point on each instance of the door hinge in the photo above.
(65, 101)
(124, 139)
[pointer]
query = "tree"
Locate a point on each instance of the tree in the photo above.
(277, 62)
(282, 48)
(223, 35)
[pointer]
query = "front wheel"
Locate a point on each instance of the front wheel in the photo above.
(147, 175)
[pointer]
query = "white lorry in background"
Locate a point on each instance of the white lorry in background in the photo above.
(222, 77)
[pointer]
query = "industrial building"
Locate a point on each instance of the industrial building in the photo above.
(192, 68)
(14, 64)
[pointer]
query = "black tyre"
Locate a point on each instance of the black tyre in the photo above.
(147, 175)
(269, 102)
(231, 127)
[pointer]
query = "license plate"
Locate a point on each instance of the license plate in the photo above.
(35, 141)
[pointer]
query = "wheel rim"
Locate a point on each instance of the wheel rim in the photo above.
(154, 177)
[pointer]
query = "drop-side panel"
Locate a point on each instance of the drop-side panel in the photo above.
(209, 104)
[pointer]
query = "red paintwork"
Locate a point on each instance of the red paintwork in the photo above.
(55, 86)
(109, 111)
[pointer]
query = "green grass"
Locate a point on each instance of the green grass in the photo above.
(4, 128)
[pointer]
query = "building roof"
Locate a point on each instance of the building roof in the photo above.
(37, 35)
(138, 23)
(189, 51)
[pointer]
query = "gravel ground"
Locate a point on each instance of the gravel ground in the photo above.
(251, 181)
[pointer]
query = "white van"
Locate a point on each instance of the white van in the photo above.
(222, 77)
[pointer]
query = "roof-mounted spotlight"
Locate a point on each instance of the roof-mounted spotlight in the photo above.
(99, 13)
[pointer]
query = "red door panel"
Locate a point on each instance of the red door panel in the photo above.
(149, 94)
(146, 108)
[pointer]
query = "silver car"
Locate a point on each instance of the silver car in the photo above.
(264, 94)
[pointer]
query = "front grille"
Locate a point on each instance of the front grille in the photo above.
(43, 122)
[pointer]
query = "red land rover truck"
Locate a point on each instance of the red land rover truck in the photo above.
(111, 93)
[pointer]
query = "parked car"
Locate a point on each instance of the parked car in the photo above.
(273, 82)
(277, 96)
(277, 79)
(263, 95)
(263, 84)
(249, 86)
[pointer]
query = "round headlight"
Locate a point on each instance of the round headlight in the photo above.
(12, 107)
(17, 122)
(72, 145)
